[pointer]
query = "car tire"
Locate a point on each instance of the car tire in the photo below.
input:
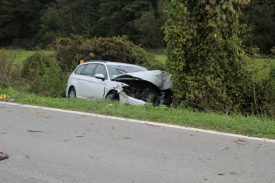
(72, 93)
(111, 96)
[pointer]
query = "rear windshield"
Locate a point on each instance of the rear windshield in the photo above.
(116, 70)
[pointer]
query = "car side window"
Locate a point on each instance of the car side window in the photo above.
(100, 69)
(79, 69)
(89, 70)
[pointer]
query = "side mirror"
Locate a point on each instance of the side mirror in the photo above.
(100, 76)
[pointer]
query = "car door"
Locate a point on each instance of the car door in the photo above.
(85, 80)
(96, 86)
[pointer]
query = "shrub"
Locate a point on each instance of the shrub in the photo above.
(273, 51)
(10, 71)
(43, 75)
(119, 49)
(266, 95)
(69, 51)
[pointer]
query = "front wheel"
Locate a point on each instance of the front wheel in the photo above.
(112, 96)
(72, 93)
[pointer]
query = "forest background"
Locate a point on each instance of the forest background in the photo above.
(28, 23)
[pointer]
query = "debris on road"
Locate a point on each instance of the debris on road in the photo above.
(33, 131)
(3, 156)
(152, 125)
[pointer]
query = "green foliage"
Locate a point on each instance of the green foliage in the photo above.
(27, 23)
(273, 51)
(10, 71)
(64, 17)
(205, 56)
(69, 51)
(265, 95)
(19, 21)
(150, 26)
(92, 18)
(260, 16)
(43, 75)
(120, 49)
(117, 17)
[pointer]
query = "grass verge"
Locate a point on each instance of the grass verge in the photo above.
(237, 124)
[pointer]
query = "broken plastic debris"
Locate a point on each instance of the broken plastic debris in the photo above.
(3, 156)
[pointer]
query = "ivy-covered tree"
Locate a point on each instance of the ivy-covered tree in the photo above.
(205, 55)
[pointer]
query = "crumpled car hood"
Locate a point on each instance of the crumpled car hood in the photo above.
(159, 78)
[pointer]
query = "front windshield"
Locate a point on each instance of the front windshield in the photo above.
(116, 70)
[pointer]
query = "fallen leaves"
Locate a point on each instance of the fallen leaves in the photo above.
(126, 138)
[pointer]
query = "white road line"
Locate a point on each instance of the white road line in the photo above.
(143, 122)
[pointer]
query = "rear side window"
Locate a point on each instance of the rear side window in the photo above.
(79, 69)
(89, 70)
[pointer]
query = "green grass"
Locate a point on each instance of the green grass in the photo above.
(237, 124)
(260, 67)
(160, 55)
(264, 64)
(23, 54)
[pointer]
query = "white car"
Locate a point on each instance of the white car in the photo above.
(127, 83)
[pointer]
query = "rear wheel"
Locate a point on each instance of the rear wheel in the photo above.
(72, 93)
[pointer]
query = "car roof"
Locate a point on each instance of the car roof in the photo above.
(111, 63)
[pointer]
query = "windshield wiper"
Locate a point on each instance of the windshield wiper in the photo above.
(121, 71)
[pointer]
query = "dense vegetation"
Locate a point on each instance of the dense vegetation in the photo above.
(28, 23)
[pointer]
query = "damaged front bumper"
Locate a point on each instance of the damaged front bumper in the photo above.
(124, 98)
(147, 86)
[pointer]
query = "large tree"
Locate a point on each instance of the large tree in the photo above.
(205, 55)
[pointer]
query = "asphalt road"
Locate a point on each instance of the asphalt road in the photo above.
(53, 146)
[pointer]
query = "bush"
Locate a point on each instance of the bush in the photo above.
(273, 51)
(69, 51)
(266, 95)
(43, 75)
(119, 49)
(10, 71)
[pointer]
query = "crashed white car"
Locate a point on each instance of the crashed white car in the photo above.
(119, 81)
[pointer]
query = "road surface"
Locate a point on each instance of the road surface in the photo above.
(55, 146)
